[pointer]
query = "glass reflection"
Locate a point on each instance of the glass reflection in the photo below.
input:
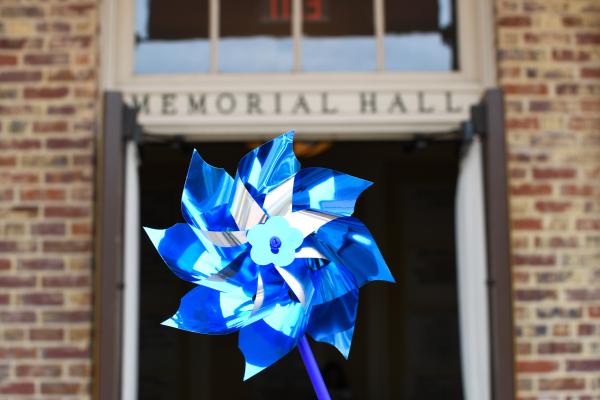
(255, 36)
(339, 36)
(420, 38)
(169, 41)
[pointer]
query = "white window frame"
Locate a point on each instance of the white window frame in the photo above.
(476, 73)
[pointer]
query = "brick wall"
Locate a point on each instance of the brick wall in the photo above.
(48, 110)
(549, 66)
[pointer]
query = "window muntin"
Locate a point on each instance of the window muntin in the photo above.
(260, 36)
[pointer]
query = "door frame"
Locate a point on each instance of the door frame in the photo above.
(119, 120)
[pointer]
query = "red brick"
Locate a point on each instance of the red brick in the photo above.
(64, 281)
(21, 144)
(562, 384)
(588, 224)
(5, 264)
(8, 161)
(82, 228)
(514, 21)
(569, 55)
(525, 88)
(68, 176)
(536, 366)
(584, 365)
(16, 281)
(17, 388)
(22, 11)
(559, 348)
(20, 76)
(46, 59)
(67, 246)
(590, 72)
(74, 10)
(8, 60)
(586, 329)
(39, 370)
(61, 110)
(530, 189)
(554, 173)
(577, 190)
(571, 21)
(526, 224)
(12, 43)
(53, 27)
(43, 194)
(534, 260)
(66, 211)
(50, 127)
(79, 370)
(45, 93)
(61, 143)
(42, 299)
(66, 316)
(66, 352)
(583, 294)
(70, 42)
(46, 334)
(552, 206)
(17, 316)
(588, 38)
(522, 123)
(52, 229)
(535, 294)
(17, 352)
(60, 388)
(41, 264)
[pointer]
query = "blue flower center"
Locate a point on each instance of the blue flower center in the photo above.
(275, 244)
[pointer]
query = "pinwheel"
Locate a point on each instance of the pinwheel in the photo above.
(275, 255)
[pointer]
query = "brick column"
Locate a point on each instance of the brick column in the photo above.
(549, 66)
(48, 112)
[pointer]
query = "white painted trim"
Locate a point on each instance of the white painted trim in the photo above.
(297, 33)
(131, 275)
(475, 41)
(214, 24)
(379, 23)
(471, 261)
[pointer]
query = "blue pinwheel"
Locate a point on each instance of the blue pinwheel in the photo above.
(274, 252)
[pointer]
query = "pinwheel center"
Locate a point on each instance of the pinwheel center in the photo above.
(275, 244)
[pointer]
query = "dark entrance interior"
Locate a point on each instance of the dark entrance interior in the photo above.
(406, 342)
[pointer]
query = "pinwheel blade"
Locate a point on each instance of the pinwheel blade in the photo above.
(268, 166)
(206, 196)
(333, 322)
(348, 242)
(328, 191)
(190, 257)
(204, 310)
(267, 340)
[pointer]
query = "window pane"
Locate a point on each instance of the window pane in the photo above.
(255, 36)
(420, 36)
(169, 40)
(339, 36)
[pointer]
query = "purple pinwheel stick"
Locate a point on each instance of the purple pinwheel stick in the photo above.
(313, 369)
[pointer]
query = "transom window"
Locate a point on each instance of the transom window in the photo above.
(213, 36)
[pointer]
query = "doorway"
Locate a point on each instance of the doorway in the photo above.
(406, 343)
